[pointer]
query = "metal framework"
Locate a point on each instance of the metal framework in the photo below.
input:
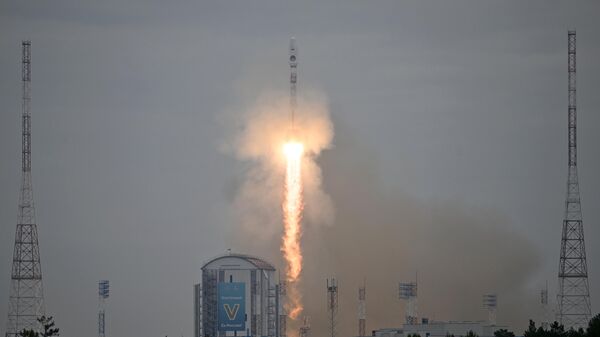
(544, 303)
(490, 302)
(332, 304)
(573, 298)
(362, 309)
(305, 327)
(26, 301)
(264, 301)
(408, 292)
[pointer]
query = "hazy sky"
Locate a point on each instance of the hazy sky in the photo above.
(452, 101)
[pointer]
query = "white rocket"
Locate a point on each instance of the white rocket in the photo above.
(293, 77)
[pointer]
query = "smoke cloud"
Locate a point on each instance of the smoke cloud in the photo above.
(258, 144)
(378, 234)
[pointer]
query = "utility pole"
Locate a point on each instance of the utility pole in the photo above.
(332, 304)
(103, 292)
(362, 309)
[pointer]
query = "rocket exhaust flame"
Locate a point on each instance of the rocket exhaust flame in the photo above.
(292, 217)
(283, 139)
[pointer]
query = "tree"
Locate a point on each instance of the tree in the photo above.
(532, 331)
(575, 333)
(556, 330)
(471, 334)
(503, 333)
(28, 333)
(49, 327)
(593, 329)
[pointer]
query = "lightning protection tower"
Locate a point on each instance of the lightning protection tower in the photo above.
(103, 291)
(26, 299)
(573, 298)
(332, 304)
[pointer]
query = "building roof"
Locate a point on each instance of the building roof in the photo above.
(255, 261)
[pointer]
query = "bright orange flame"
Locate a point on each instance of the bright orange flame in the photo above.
(292, 216)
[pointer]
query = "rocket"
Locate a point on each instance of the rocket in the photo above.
(293, 60)
(293, 78)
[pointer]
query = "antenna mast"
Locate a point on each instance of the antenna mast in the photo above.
(26, 301)
(574, 308)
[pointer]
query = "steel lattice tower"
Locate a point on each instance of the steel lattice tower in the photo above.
(574, 309)
(26, 301)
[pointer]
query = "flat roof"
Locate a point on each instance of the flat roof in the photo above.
(255, 261)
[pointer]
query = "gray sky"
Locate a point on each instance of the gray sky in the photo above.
(453, 102)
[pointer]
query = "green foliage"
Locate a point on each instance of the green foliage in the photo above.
(531, 330)
(471, 334)
(48, 326)
(28, 333)
(575, 333)
(593, 329)
(503, 333)
(558, 330)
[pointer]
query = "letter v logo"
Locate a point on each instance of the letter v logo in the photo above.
(231, 312)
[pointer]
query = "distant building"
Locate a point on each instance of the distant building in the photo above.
(441, 329)
(239, 295)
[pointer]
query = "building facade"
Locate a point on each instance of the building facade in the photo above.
(441, 329)
(239, 295)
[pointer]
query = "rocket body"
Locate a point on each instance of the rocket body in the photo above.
(293, 60)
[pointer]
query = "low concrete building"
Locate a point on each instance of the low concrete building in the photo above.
(441, 329)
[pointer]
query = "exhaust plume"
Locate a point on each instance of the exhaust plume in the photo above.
(281, 168)
(385, 236)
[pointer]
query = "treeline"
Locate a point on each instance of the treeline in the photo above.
(554, 330)
(558, 330)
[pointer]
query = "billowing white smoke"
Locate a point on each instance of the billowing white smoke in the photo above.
(264, 129)
(379, 233)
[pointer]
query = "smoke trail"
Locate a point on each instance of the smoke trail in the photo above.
(292, 217)
(385, 235)
(259, 208)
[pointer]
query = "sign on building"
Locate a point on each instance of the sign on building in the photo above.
(232, 306)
